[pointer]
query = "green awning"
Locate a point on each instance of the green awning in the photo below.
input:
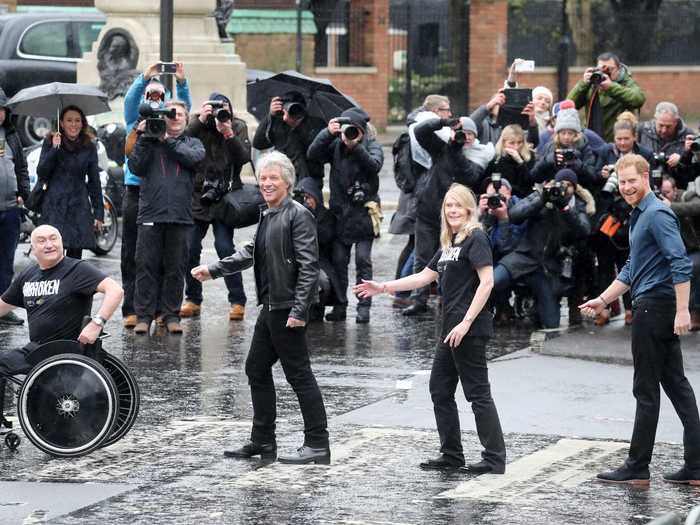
(269, 21)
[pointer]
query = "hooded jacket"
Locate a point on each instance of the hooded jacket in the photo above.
(350, 167)
(603, 106)
(224, 157)
(17, 186)
(167, 170)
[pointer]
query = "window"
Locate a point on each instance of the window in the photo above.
(87, 34)
(46, 39)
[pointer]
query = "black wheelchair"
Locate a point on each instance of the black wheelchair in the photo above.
(74, 400)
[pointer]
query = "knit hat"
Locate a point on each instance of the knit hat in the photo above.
(542, 90)
(215, 95)
(357, 117)
(310, 186)
(568, 119)
(564, 104)
(567, 175)
(468, 125)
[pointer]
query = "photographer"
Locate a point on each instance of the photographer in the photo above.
(666, 136)
(686, 206)
(689, 166)
(556, 218)
(331, 291)
(291, 130)
(513, 159)
(449, 165)
(167, 166)
(356, 158)
(486, 119)
(145, 88)
(227, 147)
(606, 91)
(569, 149)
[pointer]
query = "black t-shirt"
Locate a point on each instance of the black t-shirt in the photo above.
(261, 260)
(56, 299)
(458, 281)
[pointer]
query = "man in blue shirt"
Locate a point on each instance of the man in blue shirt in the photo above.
(658, 272)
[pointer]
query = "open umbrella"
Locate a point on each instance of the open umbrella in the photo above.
(47, 100)
(323, 99)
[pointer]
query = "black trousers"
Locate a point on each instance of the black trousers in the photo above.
(427, 243)
(272, 340)
(656, 352)
(130, 210)
(467, 364)
(363, 266)
(161, 262)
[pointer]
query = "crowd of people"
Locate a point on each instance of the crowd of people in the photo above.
(520, 198)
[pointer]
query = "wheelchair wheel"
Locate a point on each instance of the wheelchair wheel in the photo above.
(68, 405)
(129, 397)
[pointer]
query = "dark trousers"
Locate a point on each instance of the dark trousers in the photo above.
(161, 262)
(467, 364)
(363, 266)
(223, 243)
(9, 234)
(427, 242)
(656, 352)
(272, 340)
(130, 210)
(541, 286)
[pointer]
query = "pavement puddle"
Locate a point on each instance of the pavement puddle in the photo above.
(563, 465)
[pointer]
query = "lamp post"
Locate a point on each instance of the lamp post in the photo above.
(563, 62)
(166, 39)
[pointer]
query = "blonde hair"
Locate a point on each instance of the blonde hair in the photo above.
(627, 121)
(510, 132)
(465, 197)
(431, 102)
(557, 143)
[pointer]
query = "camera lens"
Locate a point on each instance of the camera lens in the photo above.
(350, 132)
(223, 115)
(460, 137)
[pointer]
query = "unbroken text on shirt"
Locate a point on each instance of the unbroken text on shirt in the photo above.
(41, 288)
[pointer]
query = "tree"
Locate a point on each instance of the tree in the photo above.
(578, 13)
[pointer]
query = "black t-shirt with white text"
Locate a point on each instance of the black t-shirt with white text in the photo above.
(459, 280)
(56, 299)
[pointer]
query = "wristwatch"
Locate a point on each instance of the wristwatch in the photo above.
(99, 321)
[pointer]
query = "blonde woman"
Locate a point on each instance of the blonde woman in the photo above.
(513, 160)
(464, 266)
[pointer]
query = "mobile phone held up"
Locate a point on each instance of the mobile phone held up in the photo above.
(167, 68)
(525, 66)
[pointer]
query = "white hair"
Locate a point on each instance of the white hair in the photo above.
(282, 162)
(666, 107)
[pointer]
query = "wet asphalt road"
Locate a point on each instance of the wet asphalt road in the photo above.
(196, 402)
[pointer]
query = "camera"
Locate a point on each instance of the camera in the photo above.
(597, 76)
(612, 183)
(347, 128)
(357, 193)
(656, 180)
(695, 145)
(212, 192)
(220, 114)
(568, 155)
(556, 194)
(494, 200)
(294, 108)
(155, 119)
(660, 159)
(460, 137)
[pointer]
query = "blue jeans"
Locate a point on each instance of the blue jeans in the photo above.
(541, 286)
(223, 243)
(9, 234)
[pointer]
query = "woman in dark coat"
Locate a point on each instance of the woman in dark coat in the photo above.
(71, 204)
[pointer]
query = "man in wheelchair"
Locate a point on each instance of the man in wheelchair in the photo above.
(57, 294)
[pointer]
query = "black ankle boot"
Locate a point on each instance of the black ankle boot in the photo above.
(339, 313)
(362, 314)
(266, 451)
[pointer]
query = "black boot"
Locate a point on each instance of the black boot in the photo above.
(316, 313)
(362, 314)
(339, 313)
(266, 451)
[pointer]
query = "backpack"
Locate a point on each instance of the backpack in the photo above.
(403, 163)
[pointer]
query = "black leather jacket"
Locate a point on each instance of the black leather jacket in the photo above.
(291, 259)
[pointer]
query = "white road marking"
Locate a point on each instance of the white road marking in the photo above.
(566, 464)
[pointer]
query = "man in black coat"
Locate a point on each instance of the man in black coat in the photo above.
(449, 165)
(167, 166)
(14, 190)
(356, 159)
(225, 140)
(290, 129)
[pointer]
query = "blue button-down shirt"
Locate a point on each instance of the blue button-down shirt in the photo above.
(657, 259)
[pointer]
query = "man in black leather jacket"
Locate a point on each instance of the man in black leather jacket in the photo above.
(284, 255)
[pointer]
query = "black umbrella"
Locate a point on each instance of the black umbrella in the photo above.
(47, 100)
(323, 100)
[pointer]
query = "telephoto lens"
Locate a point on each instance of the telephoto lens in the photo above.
(351, 132)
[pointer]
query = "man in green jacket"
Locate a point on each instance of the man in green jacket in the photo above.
(606, 91)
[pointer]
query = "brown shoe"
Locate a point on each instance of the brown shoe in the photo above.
(189, 309)
(237, 312)
(694, 321)
(130, 321)
(174, 327)
(141, 327)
